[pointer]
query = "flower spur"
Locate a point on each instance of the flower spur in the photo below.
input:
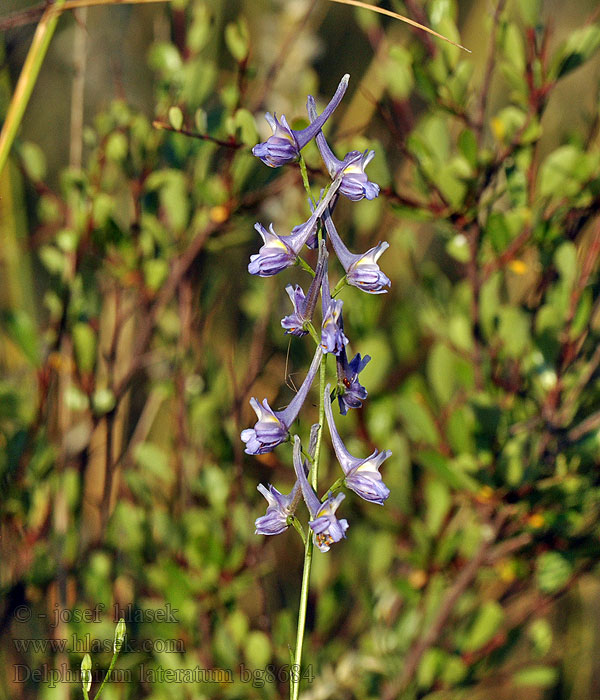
(361, 475)
(355, 184)
(271, 428)
(285, 144)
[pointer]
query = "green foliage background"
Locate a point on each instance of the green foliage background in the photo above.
(132, 338)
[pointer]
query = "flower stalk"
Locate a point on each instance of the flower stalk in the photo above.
(272, 428)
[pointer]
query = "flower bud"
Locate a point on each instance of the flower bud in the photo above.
(86, 673)
(119, 636)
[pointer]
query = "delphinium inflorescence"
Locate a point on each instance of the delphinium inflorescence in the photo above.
(348, 178)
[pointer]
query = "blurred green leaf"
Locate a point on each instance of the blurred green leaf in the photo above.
(429, 667)
(564, 171)
(34, 160)
(245, 122)
(441, 467)
(116, 146)
(84, 346)
(237, 39)
(540, 633)
(155, 273)
(103, 401)
(444, 372)
(257, 649)
(581, 45)
(417, 420)
(513, 330)
(199, 30)
(20, 328)
(438, 500)
(175, 117)
(398, 71)
(53, 259)
(542, 676)
(467, 144)
(458, 248)
(553, 572)
(530, 11)
(487, 622)
(165, 58)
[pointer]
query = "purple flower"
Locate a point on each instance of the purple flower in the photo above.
(294, 323)
(355, 184)
(332, 328)
(332, 335)
(271, 428)
(361, 475)
(304, 306)
(285, 144)
(350, 392)
(280, 508)
(362, 271)
(325, 525)
(279, 252)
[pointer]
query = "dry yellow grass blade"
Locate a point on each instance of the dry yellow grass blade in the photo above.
(29, 73)
(75, 4)
(402, 18)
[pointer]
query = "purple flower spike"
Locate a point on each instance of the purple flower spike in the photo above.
(355, 184)
(280, 507)
(351, 393)
(326, 527)
(362, 475)
(271, 428)
(332, 329)
(279, 252)
(285, 144)
(362, 271)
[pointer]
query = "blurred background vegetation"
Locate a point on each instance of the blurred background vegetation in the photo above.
(132, 337)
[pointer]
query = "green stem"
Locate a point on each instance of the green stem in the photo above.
(308, 550)
(107, 676)
(28, 77)
(313, 333)
(339, 286)
(337, 484)
(295, 671)
(305, 181)
(307, 456)
(298, 527)
(304, 265)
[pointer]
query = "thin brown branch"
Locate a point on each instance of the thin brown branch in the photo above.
(229, 143)
(23, 17)
(507, 254)
(592, 422)
(503, 549)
